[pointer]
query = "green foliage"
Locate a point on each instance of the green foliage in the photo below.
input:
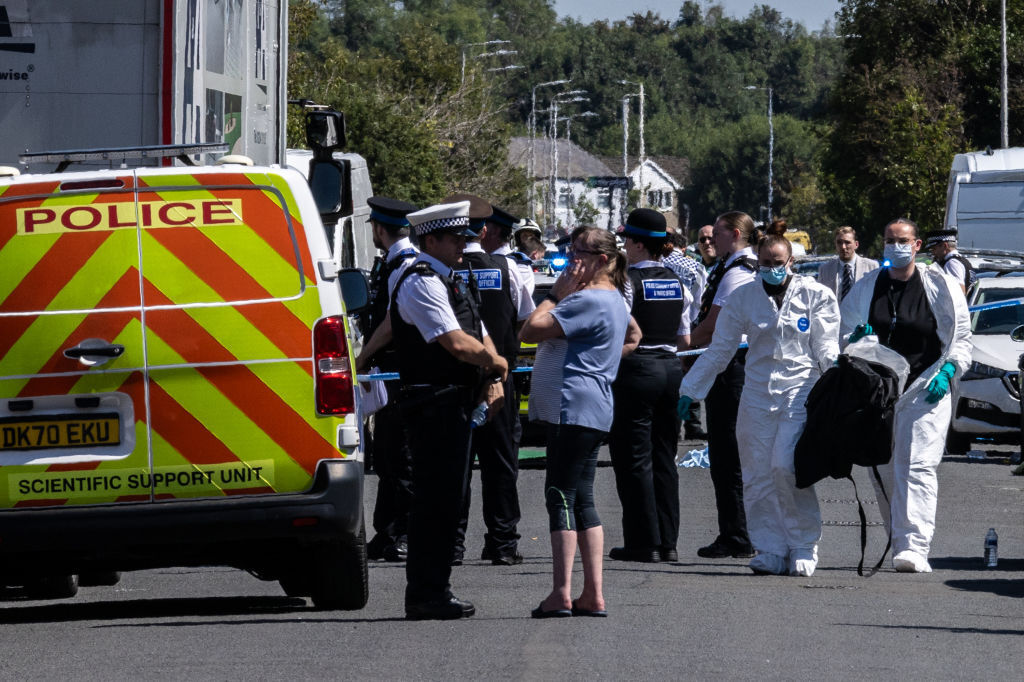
(920, 84)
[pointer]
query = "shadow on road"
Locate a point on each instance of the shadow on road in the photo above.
(1001, 587)
(152, 608)
(937, 628)
(974, 563)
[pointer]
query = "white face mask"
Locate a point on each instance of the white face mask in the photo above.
(898, 255)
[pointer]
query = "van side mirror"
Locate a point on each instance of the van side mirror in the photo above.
(1018, 333)
(355, 290)
(330, 179)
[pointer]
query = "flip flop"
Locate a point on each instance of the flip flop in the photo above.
(579, 611)
(539, 612)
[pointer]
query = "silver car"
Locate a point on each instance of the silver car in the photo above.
(987, 401)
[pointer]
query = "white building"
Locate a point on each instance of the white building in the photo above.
(587, 189)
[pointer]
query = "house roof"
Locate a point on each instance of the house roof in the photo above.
(676, 167)
(573, 161)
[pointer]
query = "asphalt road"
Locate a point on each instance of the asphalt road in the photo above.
(692, 619)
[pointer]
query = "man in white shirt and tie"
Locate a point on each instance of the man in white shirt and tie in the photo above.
(841, 273)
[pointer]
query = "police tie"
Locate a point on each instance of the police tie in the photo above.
(847, 281)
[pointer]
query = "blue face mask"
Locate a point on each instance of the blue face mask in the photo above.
(774, 276)
(898, 255)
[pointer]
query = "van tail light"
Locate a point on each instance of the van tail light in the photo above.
(333, 371)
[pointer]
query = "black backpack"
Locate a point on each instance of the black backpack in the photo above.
(849, 422)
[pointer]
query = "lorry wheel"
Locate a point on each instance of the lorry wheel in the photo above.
(52, 587)
(339, 577)
(99, 578)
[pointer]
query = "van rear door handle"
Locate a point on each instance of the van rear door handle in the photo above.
(94, 351)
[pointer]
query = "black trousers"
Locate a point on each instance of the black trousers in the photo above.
(722, 405)
(437, 428)
(392, 461)
(496, 447)
(642, 444)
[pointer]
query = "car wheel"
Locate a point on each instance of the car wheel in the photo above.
(957, 443)
(99, 578)
(294, 585)
(52, 587)
(339, 578)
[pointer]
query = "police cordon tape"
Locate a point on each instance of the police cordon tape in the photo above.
(393, 376)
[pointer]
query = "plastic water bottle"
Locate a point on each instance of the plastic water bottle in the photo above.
(991, 548)
(479, 416)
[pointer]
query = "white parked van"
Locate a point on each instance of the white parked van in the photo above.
(985, 199)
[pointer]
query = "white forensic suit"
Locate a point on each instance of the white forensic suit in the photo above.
(789, 349)
(919, 429)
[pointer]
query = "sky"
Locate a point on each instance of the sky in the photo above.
(811, 13)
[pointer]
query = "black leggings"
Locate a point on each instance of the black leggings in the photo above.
(569, 484)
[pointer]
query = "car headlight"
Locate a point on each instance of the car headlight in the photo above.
(979, 370)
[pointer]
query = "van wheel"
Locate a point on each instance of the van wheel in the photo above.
(338, 575)
(99, 578)
(52, 587)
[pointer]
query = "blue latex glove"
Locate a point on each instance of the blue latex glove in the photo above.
(860, 331)
(939, 386)
(683, 406)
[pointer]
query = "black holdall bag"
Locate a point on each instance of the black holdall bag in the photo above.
(850, 414)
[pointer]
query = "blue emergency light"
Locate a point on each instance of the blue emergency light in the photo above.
(558, 263)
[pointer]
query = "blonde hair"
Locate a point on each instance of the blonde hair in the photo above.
(603, 242)
(738, 220)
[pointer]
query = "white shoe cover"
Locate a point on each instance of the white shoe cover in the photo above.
(803, 567)
(909, 561)
(766, 563)
(802, 562)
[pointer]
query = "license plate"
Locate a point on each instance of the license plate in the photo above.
(60, 431)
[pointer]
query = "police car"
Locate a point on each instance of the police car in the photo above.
(176, 382)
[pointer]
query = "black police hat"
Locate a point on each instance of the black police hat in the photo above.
(480, 210)
(644, 222)
(504, 218)
(388, 211)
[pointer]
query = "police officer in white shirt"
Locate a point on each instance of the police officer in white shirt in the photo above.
(447, 365)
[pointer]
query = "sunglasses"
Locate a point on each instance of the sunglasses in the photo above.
(578, 252)
(704, 240)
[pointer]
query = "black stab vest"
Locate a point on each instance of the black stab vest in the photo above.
(715, 279)
(420, 362)
(658, 303)
(379, 298)
(492, 280)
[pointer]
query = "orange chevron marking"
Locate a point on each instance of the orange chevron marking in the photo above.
(233, 283)
(186, 433)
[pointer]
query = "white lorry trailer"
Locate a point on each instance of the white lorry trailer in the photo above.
(134, 73)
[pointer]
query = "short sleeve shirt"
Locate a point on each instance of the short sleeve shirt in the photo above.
(735, 278)
(572, 377)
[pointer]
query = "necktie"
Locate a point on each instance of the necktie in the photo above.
(847, 281)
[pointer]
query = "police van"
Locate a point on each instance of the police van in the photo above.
(176, 380)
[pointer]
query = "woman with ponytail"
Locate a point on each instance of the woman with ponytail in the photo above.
(583, 328)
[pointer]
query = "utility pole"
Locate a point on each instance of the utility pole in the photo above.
(532, 165)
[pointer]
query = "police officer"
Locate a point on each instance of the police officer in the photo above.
(495, 444)
(942, 244)
(733, 234)
(528, 246)
(391, 458)
(645, 429)
(447, 365)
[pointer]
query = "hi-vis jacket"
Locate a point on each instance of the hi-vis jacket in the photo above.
(789, 347)
(952, 320)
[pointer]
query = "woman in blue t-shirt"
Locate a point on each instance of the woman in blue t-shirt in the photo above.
(581, 328)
